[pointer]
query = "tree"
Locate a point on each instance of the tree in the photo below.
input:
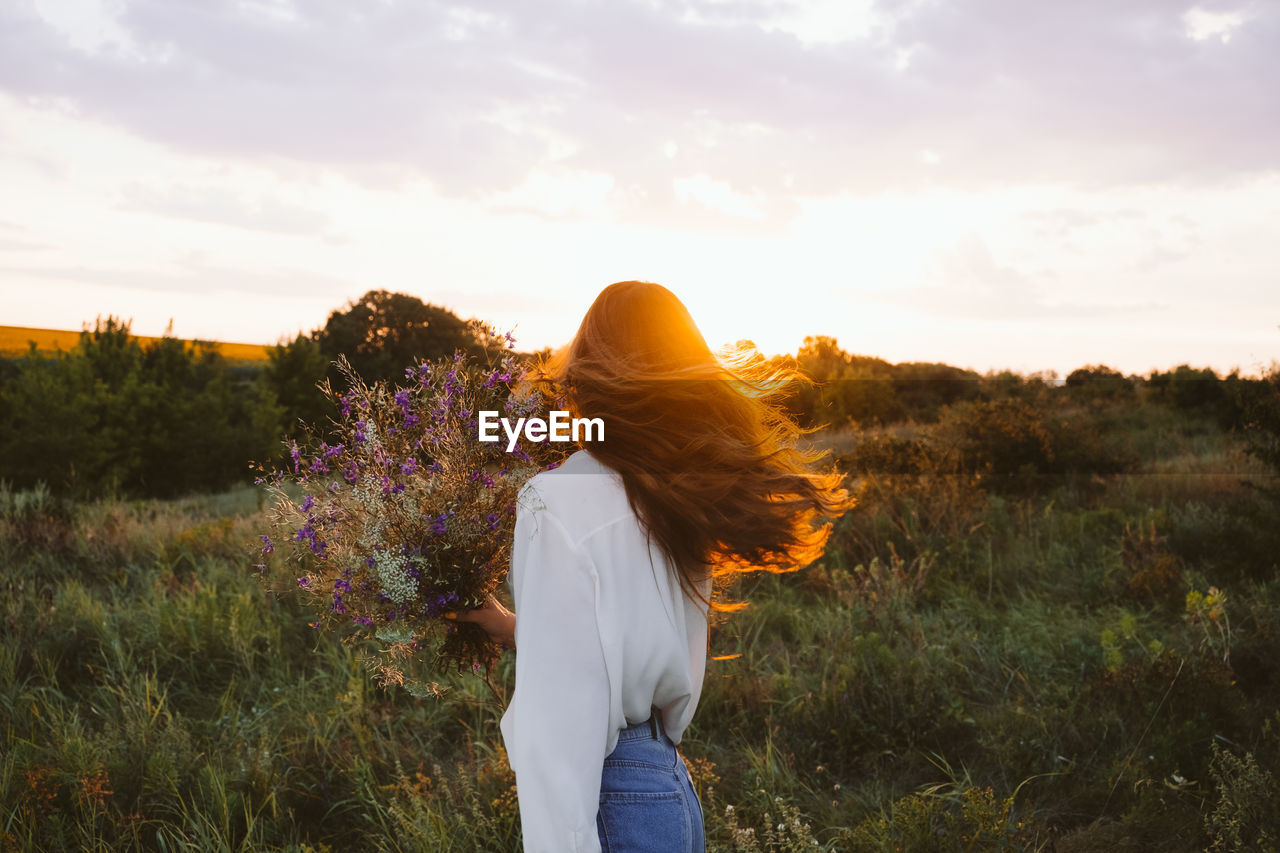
(382, 333)
(851, 387)
(923, 389)
(292, 373)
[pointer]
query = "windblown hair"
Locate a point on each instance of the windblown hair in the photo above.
(706, 451)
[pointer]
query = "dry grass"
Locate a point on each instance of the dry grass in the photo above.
(1214, 477)
(842, 440)
(15, 341)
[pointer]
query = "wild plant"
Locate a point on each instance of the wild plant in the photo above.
(398, 512)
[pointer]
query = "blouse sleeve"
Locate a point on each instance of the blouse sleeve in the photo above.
(556, 726)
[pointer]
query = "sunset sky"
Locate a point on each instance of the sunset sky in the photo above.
(988, 183)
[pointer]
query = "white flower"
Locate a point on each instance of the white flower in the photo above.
(392, 571)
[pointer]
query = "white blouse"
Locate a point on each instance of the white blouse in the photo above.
(603, 632)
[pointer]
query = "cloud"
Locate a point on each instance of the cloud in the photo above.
(196, 276)
(218, 205)
(1061, 222)
(968, 282)
(478, 97)
(7, 245)
(15, 238)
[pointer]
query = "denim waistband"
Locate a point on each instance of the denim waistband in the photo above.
(650, 728)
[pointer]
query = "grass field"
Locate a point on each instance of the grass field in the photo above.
(15, 342)
(1081, 665)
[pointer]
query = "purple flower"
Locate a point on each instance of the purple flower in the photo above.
(307, 503)
(330, 452)
(360, 436)
(304, 583)
(362, 620)
(351, 472)
(438, 523)
(409, 466)
(307, 533)
(494, 520)
(338, 606)
(295, 454)
(267, 545)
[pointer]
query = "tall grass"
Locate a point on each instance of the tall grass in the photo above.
(980, 662)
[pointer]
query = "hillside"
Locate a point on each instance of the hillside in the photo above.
(15, 341)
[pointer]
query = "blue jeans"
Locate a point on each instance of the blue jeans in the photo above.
(647, 801)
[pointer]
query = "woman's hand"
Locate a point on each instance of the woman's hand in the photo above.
(494, 618)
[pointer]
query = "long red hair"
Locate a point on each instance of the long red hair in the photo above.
(706, 452)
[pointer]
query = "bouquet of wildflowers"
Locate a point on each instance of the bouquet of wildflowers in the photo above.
(397, 512)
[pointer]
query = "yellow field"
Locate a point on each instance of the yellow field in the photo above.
(14, 342)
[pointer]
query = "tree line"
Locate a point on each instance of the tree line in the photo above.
(170, 417)
(864, 390)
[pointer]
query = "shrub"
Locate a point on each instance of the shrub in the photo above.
(1014, 446)
(1244, 817)
(1258, 402)
(1188, 388)
(1099, 382)
(1004, 442)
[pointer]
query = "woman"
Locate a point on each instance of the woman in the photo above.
(616, 556)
